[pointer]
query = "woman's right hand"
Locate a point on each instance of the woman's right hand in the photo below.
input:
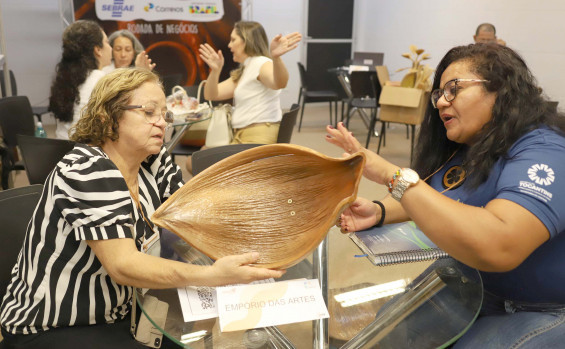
(142, 60)
(237, 270)
(377, 169)
(215, 60)
(360, 215)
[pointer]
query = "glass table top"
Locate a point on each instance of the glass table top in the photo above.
(428, 309)
(178, 128)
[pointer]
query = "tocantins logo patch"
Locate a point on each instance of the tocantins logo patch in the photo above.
(541, 174)
(453, 177)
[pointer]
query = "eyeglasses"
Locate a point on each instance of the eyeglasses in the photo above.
(449, 90)
(152, 115)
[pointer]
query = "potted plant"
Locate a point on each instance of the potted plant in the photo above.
(419, 74)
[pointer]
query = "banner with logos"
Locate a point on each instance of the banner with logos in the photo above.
(171, 31)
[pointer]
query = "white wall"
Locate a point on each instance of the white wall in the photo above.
(33, 32)
(284, 17)
(535, 29)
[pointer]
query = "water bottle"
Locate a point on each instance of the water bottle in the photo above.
(39, 131)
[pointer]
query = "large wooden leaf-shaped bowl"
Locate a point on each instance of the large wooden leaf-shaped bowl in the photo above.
(279, 200)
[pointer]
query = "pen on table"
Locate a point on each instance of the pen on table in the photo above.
(361, 255)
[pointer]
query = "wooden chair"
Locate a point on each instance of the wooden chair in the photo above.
(16, 209)
(309, 96)
(16, 117)
(287, 124)
(41, 155)
(402, 105)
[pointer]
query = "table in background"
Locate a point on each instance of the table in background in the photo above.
(179, 127)
(357, 85)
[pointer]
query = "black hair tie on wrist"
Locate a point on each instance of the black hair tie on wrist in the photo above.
(383, 212)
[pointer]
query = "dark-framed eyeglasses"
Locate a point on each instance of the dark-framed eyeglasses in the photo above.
(449, 90)
(152, 114)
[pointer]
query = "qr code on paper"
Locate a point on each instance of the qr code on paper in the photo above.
(206, 297)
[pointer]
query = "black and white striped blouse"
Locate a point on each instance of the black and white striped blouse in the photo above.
(57, 280)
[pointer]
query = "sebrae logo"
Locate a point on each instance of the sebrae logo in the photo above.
(149, 7)
(541, 174)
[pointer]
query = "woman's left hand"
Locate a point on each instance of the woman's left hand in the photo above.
(360, 215)
(376, 169)
(143, 61)
(282, 44)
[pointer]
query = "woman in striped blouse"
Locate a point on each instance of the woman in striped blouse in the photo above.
(82, 255)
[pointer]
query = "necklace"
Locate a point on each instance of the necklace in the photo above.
(454, 185)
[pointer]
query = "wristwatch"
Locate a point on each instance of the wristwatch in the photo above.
(405, 180)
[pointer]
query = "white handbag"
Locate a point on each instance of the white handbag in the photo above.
(219, 131)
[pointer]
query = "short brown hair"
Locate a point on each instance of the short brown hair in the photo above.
(99, 119)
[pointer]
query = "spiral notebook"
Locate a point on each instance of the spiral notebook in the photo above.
(396, 243)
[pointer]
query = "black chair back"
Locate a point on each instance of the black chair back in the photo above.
(362, 84)
(303, 78)
(205, 158)
(16, 117)
(41, 155)
(16, 209)
(287, 124)
(13, 84)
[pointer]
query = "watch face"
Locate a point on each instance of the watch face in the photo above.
(410, 175)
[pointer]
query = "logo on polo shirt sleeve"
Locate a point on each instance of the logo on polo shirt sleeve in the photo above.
(541, 174)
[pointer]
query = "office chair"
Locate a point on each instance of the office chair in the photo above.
(287, 124)
(37, 110)
(16, 117)
(308, 96)
(16, 209)
(362, 94)
(41, 155)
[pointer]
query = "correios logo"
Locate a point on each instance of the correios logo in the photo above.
(541, 174)
(161, 8)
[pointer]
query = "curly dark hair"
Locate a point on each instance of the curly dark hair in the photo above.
(520, 107)
(77, 61)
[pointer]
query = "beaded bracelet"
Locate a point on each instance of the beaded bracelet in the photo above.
(383, 212)
(396, 174)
